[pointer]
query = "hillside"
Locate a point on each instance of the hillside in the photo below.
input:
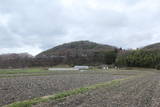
(12, 56)
(13, 60)
(155, 46)
(78, 48)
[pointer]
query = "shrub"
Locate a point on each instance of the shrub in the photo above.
(158, 67)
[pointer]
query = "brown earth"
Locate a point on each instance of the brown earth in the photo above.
(137, 92)
(19, 87)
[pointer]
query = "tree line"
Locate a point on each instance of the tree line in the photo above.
(118, 57)
(139, 58)
(25, 60)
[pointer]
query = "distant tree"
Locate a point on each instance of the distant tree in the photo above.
(110, 57)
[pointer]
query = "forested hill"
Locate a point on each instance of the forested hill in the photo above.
(14, 60)
(86, 53)
(78, 48)
(151, 47)
(15, 56)
(74, 53)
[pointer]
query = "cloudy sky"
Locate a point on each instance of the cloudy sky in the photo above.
(36, 25)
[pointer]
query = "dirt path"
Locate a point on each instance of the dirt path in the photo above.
(139, 92)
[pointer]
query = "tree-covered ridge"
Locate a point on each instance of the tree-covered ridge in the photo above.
(86, 53)
(78, 48)
(155, 46)
(139, 58)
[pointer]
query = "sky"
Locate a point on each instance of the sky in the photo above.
(36, 25)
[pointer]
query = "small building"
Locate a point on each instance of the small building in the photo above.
(81, 67)
(75, 68)
(63, 69)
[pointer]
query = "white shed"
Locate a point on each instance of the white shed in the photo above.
(63, 69)
(81, 67)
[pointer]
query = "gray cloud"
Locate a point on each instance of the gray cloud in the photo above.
(35, 25)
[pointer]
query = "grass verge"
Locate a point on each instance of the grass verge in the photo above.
(62, 95)
(19, 71)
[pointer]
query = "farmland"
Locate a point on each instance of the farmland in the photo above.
(25, 84)
(137, 92)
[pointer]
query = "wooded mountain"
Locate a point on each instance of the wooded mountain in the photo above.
(78, 48)
(86, 53)
(148, 57)
(155, 46)
(81, 52)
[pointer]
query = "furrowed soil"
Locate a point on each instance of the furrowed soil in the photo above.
(19, 87)
(137, 92)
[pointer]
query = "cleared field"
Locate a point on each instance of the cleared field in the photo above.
(19, 86)
(138, 92)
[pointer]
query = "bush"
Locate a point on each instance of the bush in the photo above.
(158, 67)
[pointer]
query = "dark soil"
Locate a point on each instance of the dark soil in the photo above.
(21, 88)
(137, 92)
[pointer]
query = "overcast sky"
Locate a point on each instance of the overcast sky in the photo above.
(36, 25)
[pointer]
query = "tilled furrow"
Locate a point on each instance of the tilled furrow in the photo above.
(109, 96)
(125, 96)
(138, 92)
(155, 101)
